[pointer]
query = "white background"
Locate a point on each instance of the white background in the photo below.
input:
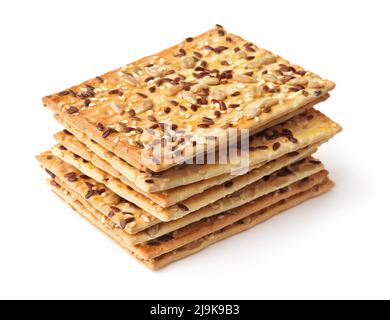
(336, 246)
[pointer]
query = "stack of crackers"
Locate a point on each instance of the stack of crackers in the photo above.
(187, 147)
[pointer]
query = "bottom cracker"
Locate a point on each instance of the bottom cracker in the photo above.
(239, 226)
(194, 231)
(195, 246)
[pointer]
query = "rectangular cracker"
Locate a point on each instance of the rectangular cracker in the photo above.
(181, 237)
(123, 213)
(102, 203)
(229, 203)
(187, 195)
(309, 128)
(248, 86)
(119, 210)
(197, 202)
(239, 226)
(172, 241)
(116, 234)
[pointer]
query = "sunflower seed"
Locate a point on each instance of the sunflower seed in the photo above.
(258, 63)
(219, 95)
(254, 92)
(154, 71)
(211, 81)
(152, 231)
(315, 84)
(241, 54)
(189, 62)
(199, 87)
(189, 97)
(268, 59)
(117, 108)
(270, 102)
(145, 105)
(130, 79)
(271, 78)
(173, 90)
(298, 81)
(244, 78)
(252, 110)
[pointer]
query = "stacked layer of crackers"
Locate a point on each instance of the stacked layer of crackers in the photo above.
(179, 150)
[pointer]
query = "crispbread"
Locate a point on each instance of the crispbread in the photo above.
(101, 222)
(309, 128)
(240, 197)
(102, 203)
(239, 226)
(236, 200)
(215, 80)
(180, 231)
(93, 167)
(195, 231)
(108, 203)
(190, 205)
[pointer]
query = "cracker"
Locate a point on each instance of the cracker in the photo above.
(309, 128)
(186, 195)
(216, 81)
(120, 211)
(272, 183)
(239, 226)
(100, 221)
(195, 231)
(102, 203)
(181, 237)
(236, 200)
(197, 202)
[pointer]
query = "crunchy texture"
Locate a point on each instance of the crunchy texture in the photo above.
(214, 81)
(190, 205)
(217, 188)
(97, 219)
(123, 213)
(311, 127)
(181, 237)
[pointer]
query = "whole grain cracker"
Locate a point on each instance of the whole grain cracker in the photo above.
(94, 217)
(258, 87)
(308, 128)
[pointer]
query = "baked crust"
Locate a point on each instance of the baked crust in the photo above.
(221, 199)
(238, 225)
(98, 169)
(216, 80)
(308, 128)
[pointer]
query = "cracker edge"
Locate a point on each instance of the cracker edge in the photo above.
(259, 217)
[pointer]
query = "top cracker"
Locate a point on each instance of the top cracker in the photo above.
(175, 100)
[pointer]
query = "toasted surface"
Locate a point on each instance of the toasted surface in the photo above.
(177, 211)
(240, 226)
(188, 195)
(197, 88)
(311, 127)
(164, 241)
(101, 222)
(120, 211)
(185, 235)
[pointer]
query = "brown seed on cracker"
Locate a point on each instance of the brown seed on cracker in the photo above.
(107, 133)
(276, 146)
(72, 110)
(89, 194)
(229, 184)
(51, 174)
(182, 207)
(100, 126)
(71, 176)
(124, 222)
